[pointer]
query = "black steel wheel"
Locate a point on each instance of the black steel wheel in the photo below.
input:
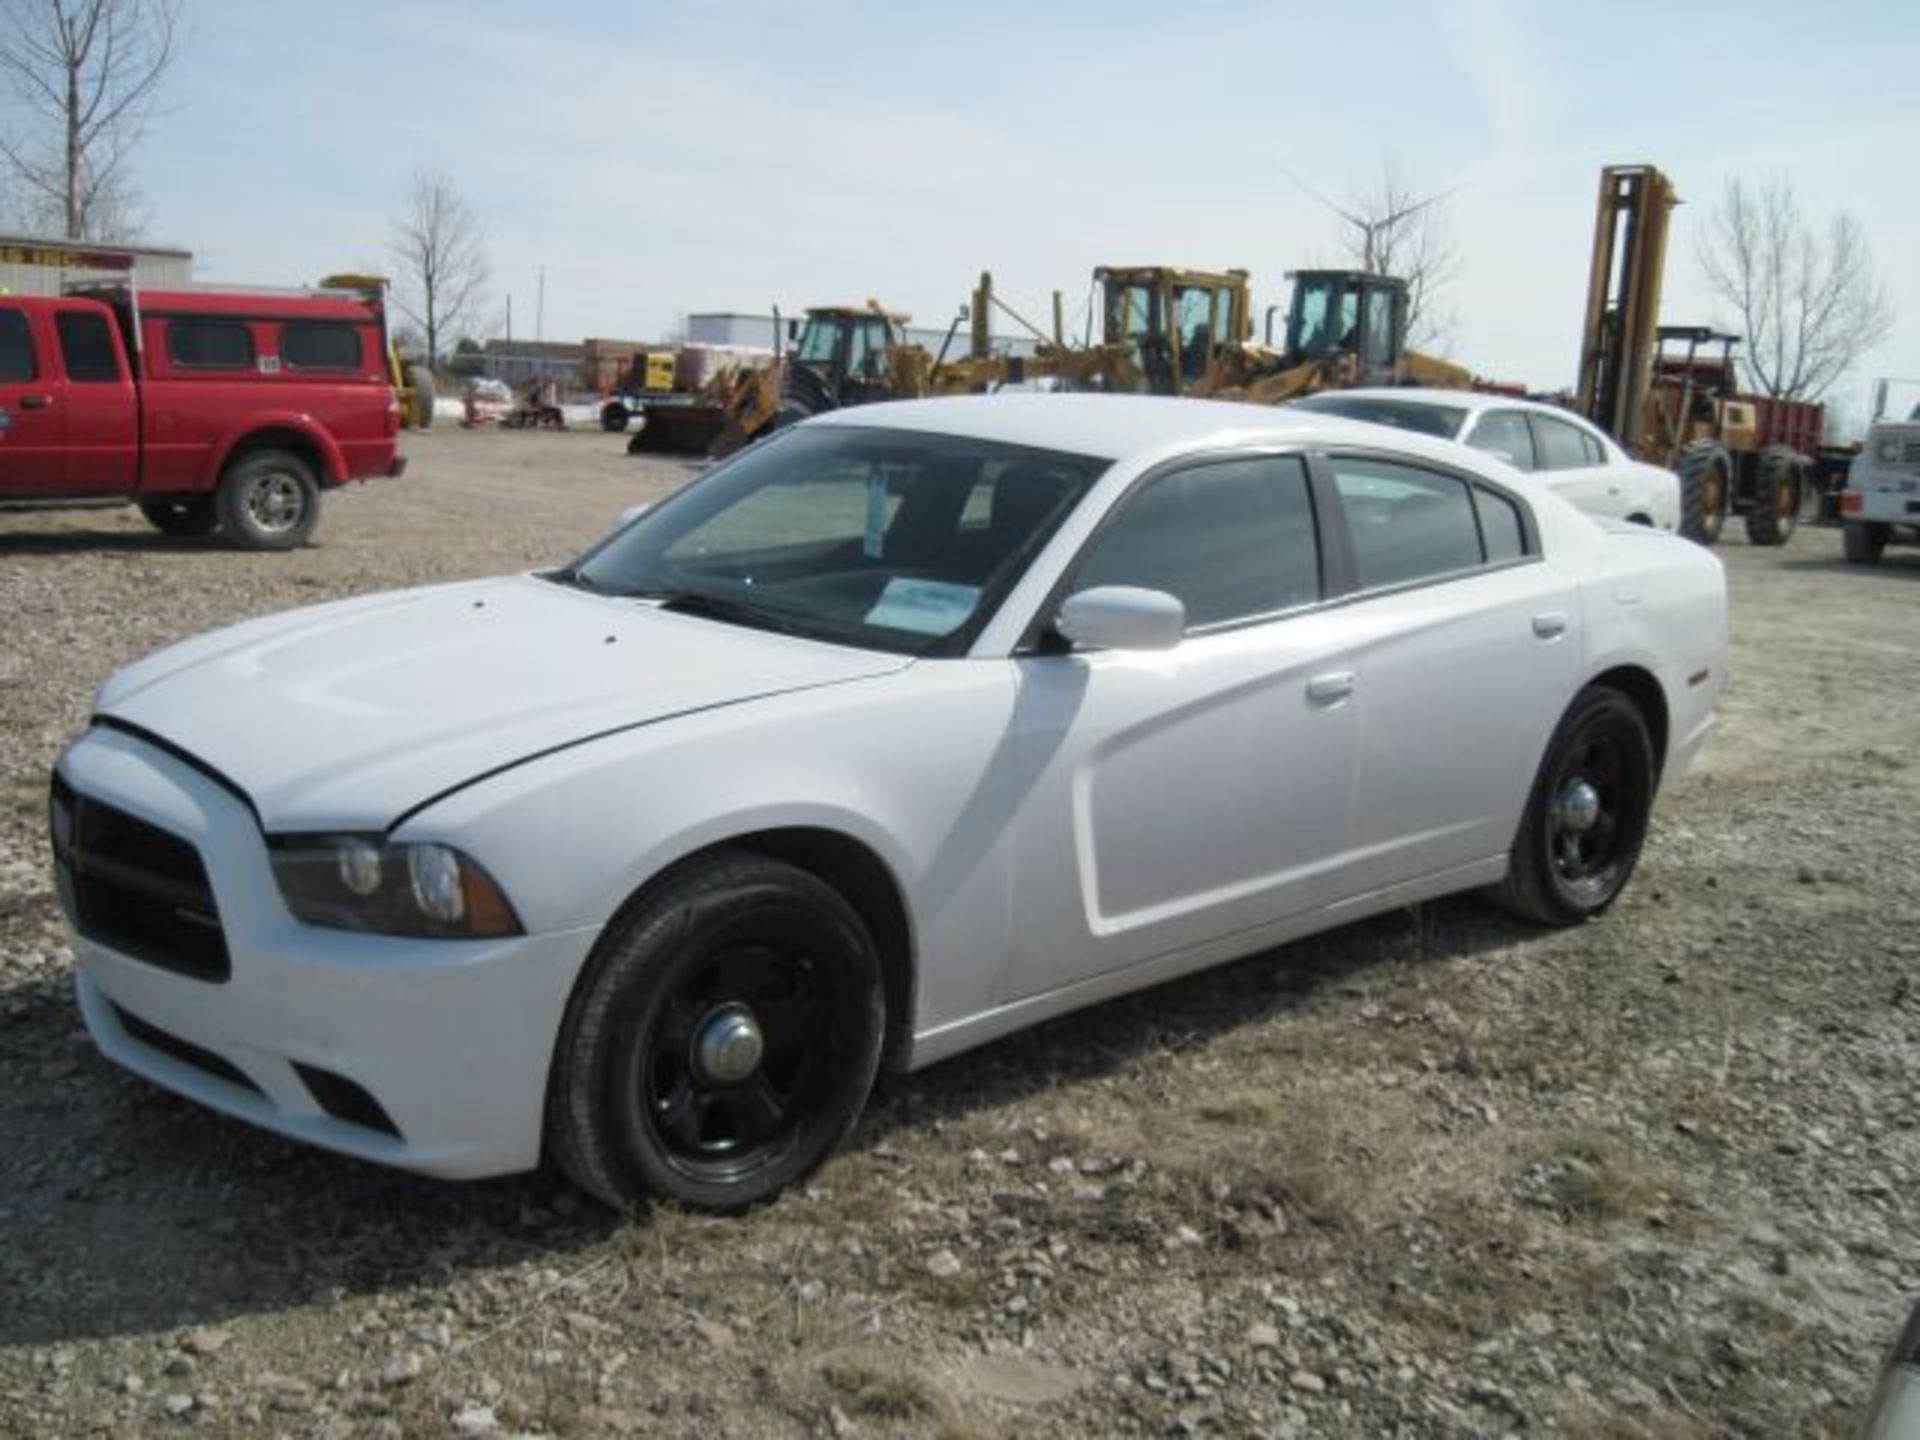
(1587, 816)
(1773, 512)
(268, 500)
(181, 514)
(1706, 487)
(722, 1041)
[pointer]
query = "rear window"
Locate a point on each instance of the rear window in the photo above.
(210, 344)
(316, 345)
(16, 348)
(1563, 446)
(1440, 421)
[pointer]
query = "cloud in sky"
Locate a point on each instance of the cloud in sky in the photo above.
(656, 160)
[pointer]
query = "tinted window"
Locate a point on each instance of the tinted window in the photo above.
(16, 348)
(1405, 524)
(308, 346)
(1500, 527)
(86, 345)
(1504, 433)
(1442, 421)
(1231, 540)
(1562, 446)
(210, 344)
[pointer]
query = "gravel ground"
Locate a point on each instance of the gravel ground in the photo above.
(1433, 1175)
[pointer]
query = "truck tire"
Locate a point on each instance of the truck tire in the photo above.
(1861, 541)
(1773, 509)
(614, 417)
(1706, 482)
(268, 500)
(420, 386)
(181, 514)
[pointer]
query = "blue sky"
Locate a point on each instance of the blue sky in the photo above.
(658, 159)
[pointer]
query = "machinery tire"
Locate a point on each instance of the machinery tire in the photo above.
(1773, 510)
(1586, 818)
(183, 515)
(1706, 484)
(721, 1042)
(1862, 541)
(420, 384)
(268, 500)
(614, 417)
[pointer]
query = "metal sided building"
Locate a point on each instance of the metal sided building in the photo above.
(36, 265)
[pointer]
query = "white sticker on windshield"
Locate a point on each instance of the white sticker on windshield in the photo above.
(926, 607)
(876, 535)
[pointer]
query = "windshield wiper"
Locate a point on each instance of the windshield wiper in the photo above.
(719, 607)
(574, 577)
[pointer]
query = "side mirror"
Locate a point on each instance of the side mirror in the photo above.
(627, 516)
(1122, 617)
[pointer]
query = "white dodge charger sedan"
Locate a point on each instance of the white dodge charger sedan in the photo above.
(908, 727)
(1567, 453)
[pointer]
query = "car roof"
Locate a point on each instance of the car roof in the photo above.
(1474, 400)
(1118, 427)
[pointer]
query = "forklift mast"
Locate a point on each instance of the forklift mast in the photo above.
(1620, 335)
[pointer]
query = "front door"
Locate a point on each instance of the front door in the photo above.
(33, 426)
(1180, 796)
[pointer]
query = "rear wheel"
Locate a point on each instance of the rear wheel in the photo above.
(1774, 512)
(1706, 475)
(614, 417)
(268, 500)
(1587, 817)
(181, 515)
(723, 1041)
(1862, 541)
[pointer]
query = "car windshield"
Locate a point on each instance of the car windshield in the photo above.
(888, 539)
(1418, 416)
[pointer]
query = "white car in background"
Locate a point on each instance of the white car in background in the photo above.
(1565, 451)
(907, 727)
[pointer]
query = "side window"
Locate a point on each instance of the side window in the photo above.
(1562, 446)
(1504, 433)
(1500, 527)
(312, 345)
(86, 345)
(1379, 330)
(210, 344)
(1596, 452)
(1405, 524)
(1232, 540)
(16, 348)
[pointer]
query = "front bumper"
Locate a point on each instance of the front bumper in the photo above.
(451, 1040)
(1885, 507)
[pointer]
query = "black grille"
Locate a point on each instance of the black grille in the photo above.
(344, 1100)
(185, 1051)
(136, 888)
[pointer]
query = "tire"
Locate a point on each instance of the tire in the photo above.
(1587, 816)
(632, 1110)
(183, 515)
(420, 384)
(1773, 511)
(614, 417)
(1706, 481)
(1861, 541)
(268, 500)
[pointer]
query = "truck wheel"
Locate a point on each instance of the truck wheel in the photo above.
(181, 514)
(268, 500)
(1862, 541)
(614, 417)
(1706, 482)
(1773, 513)
(420, 385)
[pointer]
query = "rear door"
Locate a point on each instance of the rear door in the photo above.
(33, 423)
(103, 440)
(1575, 463)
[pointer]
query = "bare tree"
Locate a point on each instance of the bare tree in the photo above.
(1396, 227)
(441, 247)
(84, 75)
(1807, 305)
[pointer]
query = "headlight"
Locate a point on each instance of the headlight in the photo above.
(1887, 449)
(360, 882)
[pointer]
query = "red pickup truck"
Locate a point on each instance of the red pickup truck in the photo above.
(228, 410)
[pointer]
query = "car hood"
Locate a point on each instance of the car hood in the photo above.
(349, 715)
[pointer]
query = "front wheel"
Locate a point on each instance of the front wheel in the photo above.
(722, 1041)
(1706, 486)
(1862, 541)
(268, 500)
(181, 514)
(1587, 816)
(1774, 513)
(614, 417)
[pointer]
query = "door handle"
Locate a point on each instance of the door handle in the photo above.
(1550, 625)
(35, 402)
(1332, 686)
